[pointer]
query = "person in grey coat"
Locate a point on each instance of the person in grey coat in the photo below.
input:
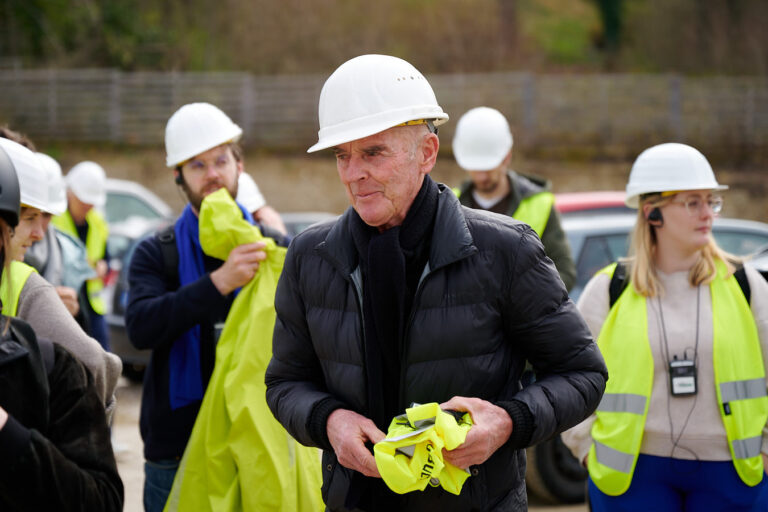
(410, 297)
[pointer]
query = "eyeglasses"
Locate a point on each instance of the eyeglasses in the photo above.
(695, 204)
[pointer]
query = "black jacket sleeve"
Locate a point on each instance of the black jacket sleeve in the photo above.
(296, 391)
(71, 467)
(570, 371)
(158, 311)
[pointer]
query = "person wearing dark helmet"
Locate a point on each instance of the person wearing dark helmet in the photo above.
(54, 438)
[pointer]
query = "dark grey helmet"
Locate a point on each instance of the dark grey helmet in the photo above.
(10, 197)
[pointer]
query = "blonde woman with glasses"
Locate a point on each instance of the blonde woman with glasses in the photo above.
(683, 327)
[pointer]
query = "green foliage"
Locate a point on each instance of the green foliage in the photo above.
(313, 36)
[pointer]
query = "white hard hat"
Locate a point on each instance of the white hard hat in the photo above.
(57, 193)
(32, 177)
(668, 168)
(195, 128)
(88, 181)
(482, 139)
(369, 94)
(248, 193)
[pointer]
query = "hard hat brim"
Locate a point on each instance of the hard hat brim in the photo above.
(360, 128)
(633, 196)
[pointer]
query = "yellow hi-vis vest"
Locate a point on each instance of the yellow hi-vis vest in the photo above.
(739, 383)
(533, 210)
(95, 248)
(10, 289)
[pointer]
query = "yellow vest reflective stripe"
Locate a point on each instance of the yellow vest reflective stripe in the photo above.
(95, 248)
(10, 289)
(534, 211)
(739, 378)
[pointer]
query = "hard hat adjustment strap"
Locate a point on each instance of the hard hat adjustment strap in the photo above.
(429, 122)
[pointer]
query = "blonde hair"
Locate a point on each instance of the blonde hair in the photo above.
(642, 269)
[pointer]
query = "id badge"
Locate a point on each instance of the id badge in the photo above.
(682, 377)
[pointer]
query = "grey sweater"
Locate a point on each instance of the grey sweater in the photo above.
(41, 307)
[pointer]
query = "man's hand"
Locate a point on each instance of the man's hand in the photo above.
(491, 428)
(101, 269)
(69, 297)
(3, 418)
(240, 267)
(348, 432)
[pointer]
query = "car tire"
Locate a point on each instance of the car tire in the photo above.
(553, 474)
(134, 372)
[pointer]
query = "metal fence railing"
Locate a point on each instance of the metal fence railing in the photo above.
(592, 112)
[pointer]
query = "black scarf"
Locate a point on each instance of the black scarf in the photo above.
(391, 262)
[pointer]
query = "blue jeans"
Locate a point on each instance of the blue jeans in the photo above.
(662, 484)
(158, 480)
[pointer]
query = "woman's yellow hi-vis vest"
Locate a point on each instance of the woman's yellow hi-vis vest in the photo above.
(739, 379)
(95, 248)
(533, 210)
(10, 289)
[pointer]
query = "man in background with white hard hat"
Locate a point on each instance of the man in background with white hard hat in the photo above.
(179, 297)
(482, 145)
(86, 191)
(409, 297)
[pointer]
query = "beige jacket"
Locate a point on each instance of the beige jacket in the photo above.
(695, 419)
(41, 307)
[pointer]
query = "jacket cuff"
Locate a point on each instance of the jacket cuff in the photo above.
(318, 421)
(14, 438)
(522, 423)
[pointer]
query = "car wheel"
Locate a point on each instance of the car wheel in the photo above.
(553, 474)
(134, 372)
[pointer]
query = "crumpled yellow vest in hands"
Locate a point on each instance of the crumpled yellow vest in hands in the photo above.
(411, 456)
(239, 457)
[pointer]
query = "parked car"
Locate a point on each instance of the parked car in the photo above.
(127, 199)
(296, 222)
(596, 241)
(124, 237)
(591, 203)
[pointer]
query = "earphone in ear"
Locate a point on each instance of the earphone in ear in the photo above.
(178, 179)
(655, 215)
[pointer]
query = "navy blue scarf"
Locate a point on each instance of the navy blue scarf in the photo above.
(185, 375)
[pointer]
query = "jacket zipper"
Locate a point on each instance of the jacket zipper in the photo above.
(426, 272)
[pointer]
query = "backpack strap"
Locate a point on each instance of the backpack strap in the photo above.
(167, 239)
(46, 352)
(741, 278)
(619, 281)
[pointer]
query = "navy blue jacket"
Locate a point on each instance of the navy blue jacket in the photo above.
(158, 312)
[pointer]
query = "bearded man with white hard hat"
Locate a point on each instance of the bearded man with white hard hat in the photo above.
(482, 146)
(179, 297)
(409, 297)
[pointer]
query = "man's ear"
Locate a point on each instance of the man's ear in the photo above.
(430, 145)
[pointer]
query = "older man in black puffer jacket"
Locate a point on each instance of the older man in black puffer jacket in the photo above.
(410, 297)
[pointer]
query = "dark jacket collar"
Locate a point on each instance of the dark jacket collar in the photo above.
(451, 239)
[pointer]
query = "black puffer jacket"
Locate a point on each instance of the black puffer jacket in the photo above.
(488, 301)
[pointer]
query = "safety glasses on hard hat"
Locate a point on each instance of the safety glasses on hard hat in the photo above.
(429, 122)
(695, 204)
